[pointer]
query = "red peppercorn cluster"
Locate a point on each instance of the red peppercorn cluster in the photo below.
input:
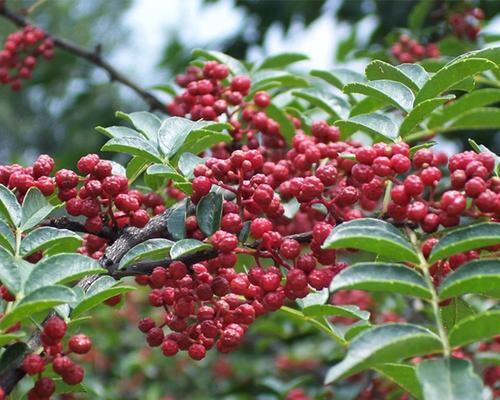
(19, 55)
(466, 24)
(71, 373)
(297, 394)
(407, 50)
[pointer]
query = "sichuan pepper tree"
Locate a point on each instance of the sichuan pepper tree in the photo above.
(265, 190)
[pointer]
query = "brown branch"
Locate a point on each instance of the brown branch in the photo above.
(93, 57)
(75, 226)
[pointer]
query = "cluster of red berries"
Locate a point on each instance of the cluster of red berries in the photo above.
(407, 50)
(467, 24)
(71, 373)
(20, 53)
(297, 394)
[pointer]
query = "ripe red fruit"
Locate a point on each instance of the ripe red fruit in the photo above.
(44, 387)
(55, 328)
(155, 337)
(241, 84)
(201, 185)
(73, 375)
(146, 324)
(169, 348)
(262, 99)
(259, 226)
(87, 163)
(413, 185)
(33, 364)
(290, 248)
(66, 179)
(80, 344)
(197, 351)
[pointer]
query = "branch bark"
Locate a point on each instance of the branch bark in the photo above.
(93, 57)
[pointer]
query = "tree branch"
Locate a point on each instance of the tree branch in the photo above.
(66, 223)
(93, 57)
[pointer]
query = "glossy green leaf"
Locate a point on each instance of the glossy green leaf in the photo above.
(35, 209)
(209, 213)
(135, 167)
(7, 239)
(9, 272)
(176, 221)
(235, 66)
(382, 277)
(378, 69)
(327, 310)
(465, 103)
(10, 337)
(338, 77)
(187, 163)
(59, 269)
(144, 121)
(379, 126)
(450, 75)
(415, 72)
(355, 329)
(384, 344)
(200, 140)
(332, 105)
(476, 328)
(185, 247)
(102, 289)
(287, 129)
(478, 276)
(152, 249)
(136, 146)
(454, 312)
(403, 375)
(13, 355)
(367, 106)
(477, 118)
(267, 79)
(424, 145)
(392, 92)
(420, 113)
(449, 379)
(372, 235)
(40, 299)
(164, 171)
(282, 60)
(118, 132)
(466, 238)
(46, 237)
(9, 207)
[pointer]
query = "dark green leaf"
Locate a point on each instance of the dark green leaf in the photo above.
(339, 77)
(59, 269)
(478, 276)
(7, 239)
(118, 132)
(379, 126)
(176, 221)
(374, 236)
(419, 13)
(355, 329)
(332, 105)
(327, 310)
(9, 207)
(46, 237)
(185, 247)
(477, 118)
(152, 249)
(144, 121)
(384, 344)
(10, 337)
(287, 128)
(403, 375)
(476, 328)
(209, 213)
(101, 290)
(187, 163)
(174, 132)
(35, 209)
(9, 273)
(367, 105)
(262, 80)
(449, 379)
(420, 113)
(40, 299)
(135, 167)
(203, 139)
(450, 75)
(466, 238)
(392, 92)
(454, 312)
(165, 171)
(235, 66)
(13, 355)
(136, 146)
(282, 60)
(375, 276)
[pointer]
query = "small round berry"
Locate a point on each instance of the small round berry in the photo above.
(290, 248)
(55, 328)
(44, 387)
(73, 375)
(169, 347)
(33, 364)
(80, 344)
(201, 185)
(259, 226)
(197, 351)
(413, 185)
(262, 99)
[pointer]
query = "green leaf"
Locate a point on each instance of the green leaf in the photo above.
(476, 328)
(377, 125)
(418, 14)
(355, 329)
(424, 145)
(61, 268)
(144, 121)
(477, 118)
(367, 105)
(287, 129)
(392, 92)
(450, 75)
(40, 299)
(420, 113)
(465, 103)
(13, 355)
(187, 163)
(454, 312)
(235, 66)
(415, 72)
(478, 276)
(35, 209)
(101, 290)
(376, 276)
(200, 140)
(176, 221)
(372, 235)
(403, 375)
(332, 105)
(449, 379)
(9, 207)
(118, 132)
(7, 239)
(384, 344)
(338, 77)
(136, 146)
(10, 337)
(152, 249)
(282, 60)
(185, 247)
(264, 80)
(165, 171)
(185, 187)
(135, 167)
(466, 238)
(9, 272)
(46, 237)
(291, 208)
(209, 213)
(314, 298)
(327, 310)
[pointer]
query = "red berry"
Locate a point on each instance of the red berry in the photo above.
(259, 226)
(33, 364)
(55, 328)
(169, 347)
(197, 351)
(80, 344)
(73, 375)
